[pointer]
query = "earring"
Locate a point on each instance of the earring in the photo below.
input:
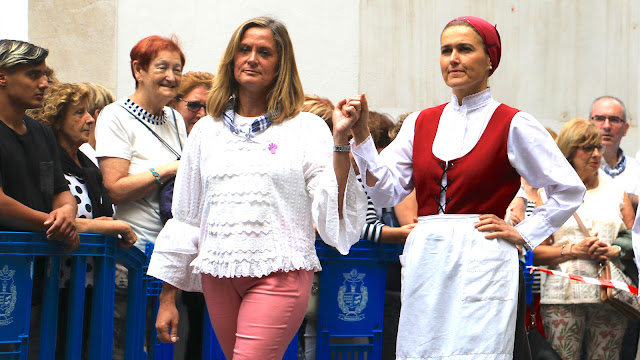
(490, 67)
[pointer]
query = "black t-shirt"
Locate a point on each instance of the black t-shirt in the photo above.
(30, 170)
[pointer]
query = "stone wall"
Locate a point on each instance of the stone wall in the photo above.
(81, 38)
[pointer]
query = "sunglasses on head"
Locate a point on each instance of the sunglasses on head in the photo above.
(194, 106)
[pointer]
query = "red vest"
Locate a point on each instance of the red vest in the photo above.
(481, 182)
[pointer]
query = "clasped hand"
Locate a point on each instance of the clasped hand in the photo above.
(348, 115)
(592, 248)
(62, 227)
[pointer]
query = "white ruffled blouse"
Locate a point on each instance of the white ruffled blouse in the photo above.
(246, 208)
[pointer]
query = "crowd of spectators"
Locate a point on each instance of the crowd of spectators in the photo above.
(73, 160)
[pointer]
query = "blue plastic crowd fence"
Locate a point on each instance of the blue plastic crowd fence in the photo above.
(528, 276)
(19, 254)
(352, 292)
(349, 321)
(153, 286)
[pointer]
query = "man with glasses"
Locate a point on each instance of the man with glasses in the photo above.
(609, 114)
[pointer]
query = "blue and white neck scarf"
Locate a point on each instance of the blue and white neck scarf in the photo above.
(259, 125)
(619, 168)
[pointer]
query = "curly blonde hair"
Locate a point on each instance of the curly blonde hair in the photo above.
(56, 100)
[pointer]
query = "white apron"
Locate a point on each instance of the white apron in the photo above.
(459, 292)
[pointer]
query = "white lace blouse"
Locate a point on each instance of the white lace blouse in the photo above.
(246, 208)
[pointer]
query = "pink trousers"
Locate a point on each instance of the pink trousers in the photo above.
(256, 318)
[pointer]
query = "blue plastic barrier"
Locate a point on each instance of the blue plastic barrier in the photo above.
(352, 293)
(18, 254)
(528, 276)
(153, 286)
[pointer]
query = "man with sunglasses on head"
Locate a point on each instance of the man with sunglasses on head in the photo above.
(609, 114)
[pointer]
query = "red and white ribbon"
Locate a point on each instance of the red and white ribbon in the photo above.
(589, 280)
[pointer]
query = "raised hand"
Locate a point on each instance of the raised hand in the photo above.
(345, 115)
(360, 129)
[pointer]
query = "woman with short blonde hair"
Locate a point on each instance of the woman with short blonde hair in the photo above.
(190, 101)
(575, 134)
(573, 313)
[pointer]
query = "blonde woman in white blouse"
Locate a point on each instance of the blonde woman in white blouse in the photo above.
(255, 176)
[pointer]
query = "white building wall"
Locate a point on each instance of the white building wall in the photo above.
(557, 54)
(16, 26)
(324, 35)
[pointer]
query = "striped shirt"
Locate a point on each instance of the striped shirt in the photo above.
(373, 226)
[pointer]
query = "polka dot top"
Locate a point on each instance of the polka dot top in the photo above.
(80, 193)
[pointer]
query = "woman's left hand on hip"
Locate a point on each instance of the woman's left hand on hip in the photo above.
(498, 228)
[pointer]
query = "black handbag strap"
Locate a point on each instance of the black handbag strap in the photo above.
(175, 122)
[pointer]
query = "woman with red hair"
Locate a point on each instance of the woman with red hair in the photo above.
(465, 159)
(139, 139)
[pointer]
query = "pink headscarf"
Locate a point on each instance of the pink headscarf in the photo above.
(489, 35)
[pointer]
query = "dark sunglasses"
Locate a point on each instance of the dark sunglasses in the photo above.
(194, 106)
(590, 148)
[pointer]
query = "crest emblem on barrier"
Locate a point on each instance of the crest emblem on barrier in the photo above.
(8, 295)
(352, 296)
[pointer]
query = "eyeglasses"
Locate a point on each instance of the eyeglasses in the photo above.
(194, 106)
(590, 148)
(613, 120)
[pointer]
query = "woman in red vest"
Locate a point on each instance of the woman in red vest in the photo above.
(465, 159)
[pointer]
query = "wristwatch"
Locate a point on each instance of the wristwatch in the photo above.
(342, 148)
